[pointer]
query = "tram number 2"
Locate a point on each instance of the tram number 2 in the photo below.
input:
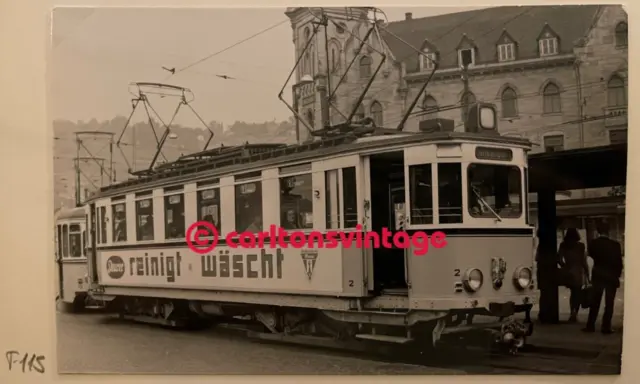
(351, 283)
(456, 272)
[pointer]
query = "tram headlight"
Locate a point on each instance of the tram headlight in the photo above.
(473, 279)
(522, 277)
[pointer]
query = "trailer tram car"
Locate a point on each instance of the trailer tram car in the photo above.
(71, 258)
(470, 185)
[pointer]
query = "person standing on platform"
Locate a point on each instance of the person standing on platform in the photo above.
(605, 277)
(573, 260)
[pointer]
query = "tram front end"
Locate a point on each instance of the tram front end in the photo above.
(483, 278)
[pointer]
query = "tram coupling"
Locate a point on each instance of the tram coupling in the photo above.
(512, 335)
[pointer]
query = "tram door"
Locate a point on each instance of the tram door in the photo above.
(387, 214)
(92, 253)
(59, 261)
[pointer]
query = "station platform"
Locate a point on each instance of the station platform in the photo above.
(569, 336)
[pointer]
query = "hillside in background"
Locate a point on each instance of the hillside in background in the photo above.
(186, 140)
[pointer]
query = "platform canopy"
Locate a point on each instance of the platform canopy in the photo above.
(593, 167)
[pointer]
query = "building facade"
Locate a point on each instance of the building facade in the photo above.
(557, 74)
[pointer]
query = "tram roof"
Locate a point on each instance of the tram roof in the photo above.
(70, 213)
(252, 157)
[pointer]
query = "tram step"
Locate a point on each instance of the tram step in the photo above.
(384, 338)
(94, 307)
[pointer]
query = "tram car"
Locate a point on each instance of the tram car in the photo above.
(71, 258)
(471, 186)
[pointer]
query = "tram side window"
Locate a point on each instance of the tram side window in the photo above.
(103, 225)
(421, 192)
(248, 198)
(349, 194)
(296, 206)
(60, 241)
(209, 207)
(449, 193)
(97, 222)
(65, 241)
(332, 199)
(84, 243)
(75, 240)
(495, 190)
(174, 216)
(144, 220)
(119, 222)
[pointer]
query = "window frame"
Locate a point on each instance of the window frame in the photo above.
(139, 234)
(513, 100)
(551, 98)
(238, 184)
(65, 241)
(215, 187)
(440, 167)
(425, 108)
(619, 33)
(552, 46)
(365, 67)
(75, 231)
(114, 204)
(377, 115)
(615, 131)
(288, 172)
(473, 56)
(619, 90)
(548, 136)
(166, 198)
(427, 63)
(490, 216)
(506, 52)
(412, 193)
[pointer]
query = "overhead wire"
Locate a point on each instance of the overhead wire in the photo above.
(228, 48)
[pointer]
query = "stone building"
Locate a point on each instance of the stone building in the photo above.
(558, 74)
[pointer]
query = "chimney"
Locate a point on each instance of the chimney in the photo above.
(408, 16)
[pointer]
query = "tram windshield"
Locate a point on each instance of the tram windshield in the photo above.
(495, 191)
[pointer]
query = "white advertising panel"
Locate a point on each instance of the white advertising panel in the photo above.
(267, 269)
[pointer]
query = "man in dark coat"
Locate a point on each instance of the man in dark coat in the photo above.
(605, 277)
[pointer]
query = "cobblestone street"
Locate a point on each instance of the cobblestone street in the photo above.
(90, 343)
(94, 343)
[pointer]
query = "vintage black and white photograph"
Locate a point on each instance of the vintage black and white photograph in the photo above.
(339, 190)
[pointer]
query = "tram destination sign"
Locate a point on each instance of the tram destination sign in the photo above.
(497, 154)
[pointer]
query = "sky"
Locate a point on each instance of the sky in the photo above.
(97, 52)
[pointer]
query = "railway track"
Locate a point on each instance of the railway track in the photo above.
(454, 355)
(475, 359)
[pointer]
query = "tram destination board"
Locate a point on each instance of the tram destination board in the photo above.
(498, 154)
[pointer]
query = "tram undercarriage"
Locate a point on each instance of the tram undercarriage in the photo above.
(424, 329)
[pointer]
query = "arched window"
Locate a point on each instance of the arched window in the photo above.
(359, 113)
(310, 118)
(430, 106)
(466, 101)
(376, 113)
(365, 67)
(306, 62)
(622, 35)
(616, 92)
(509, 103)
(551, 99)
(334, 57)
